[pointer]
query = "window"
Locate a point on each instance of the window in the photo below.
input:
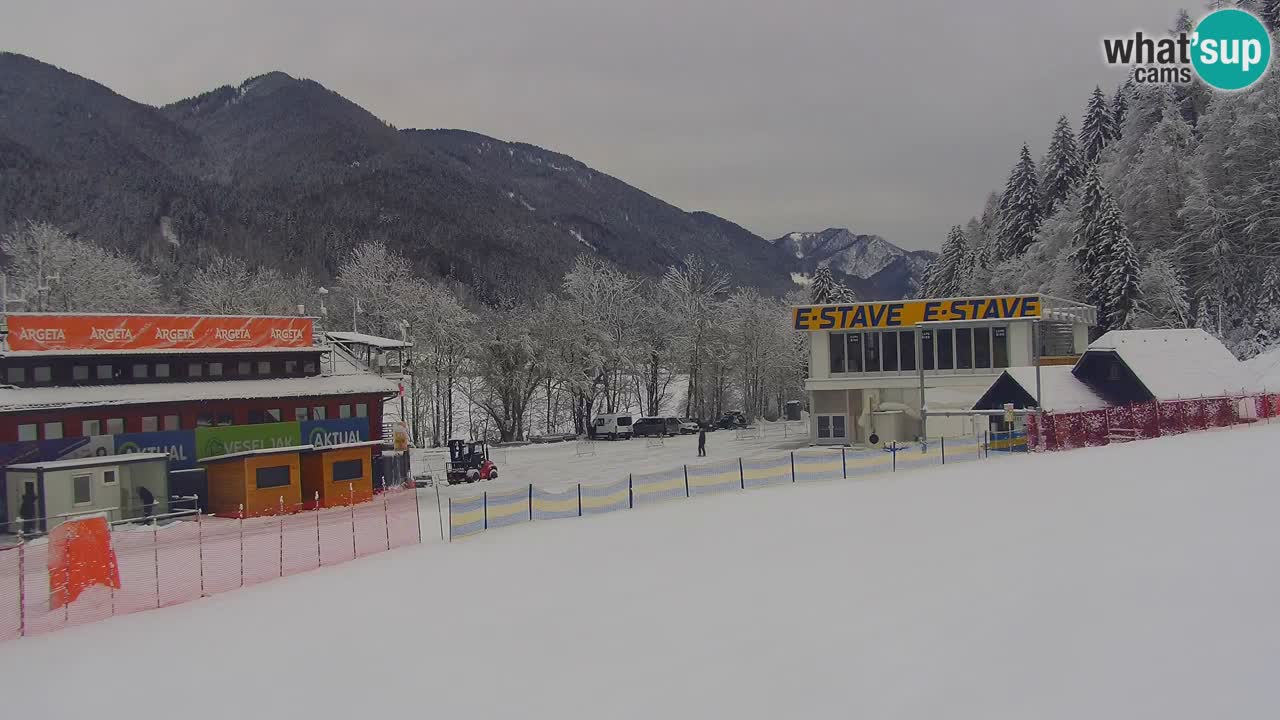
(362, 410)
(889, 351)
(964, 348)
(28, 432)
(907, 350)
(53, 430)
(115, 426)
(926, 349)
(105, 372)
(309, 367)
(344, 411)
(150, 423)
(1113, 371)
(1000, 347)
(215, 369)
(836, 353)
(300, 414)
(82, 489)
(837, 426)
(162, 370)
(43, 374)
(264, 367)
(982, 347)
(140, 371)
(946, 342)
(853, 343)
(824, 426)
(195, 370)
(317, 412)
(274, 476)
(108, 477)
(291, 367)
(870, 352)
(274, 415)
(80, 372)
(15, 375)
(90, 427)
(244, 368)
(171, 422)
(257, 417)
(348, 470)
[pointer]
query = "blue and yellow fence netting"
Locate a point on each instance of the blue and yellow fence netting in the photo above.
(714, 478)
(466, 515)
(814, 465)
(758, 472)
(1015, 441)
(549, 505)
(507, 507)
(597, 499)
(656, 487)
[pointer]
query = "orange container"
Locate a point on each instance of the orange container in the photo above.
(261, 481)
(339, 475)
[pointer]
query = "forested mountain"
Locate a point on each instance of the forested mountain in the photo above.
(1164, 212)
(872, 267)
(286, 173)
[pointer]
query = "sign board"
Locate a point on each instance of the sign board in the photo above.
(227, 439)
(342, 431)
(179, 444)
(400, 435)
(1008, 412)
(906, 313)
(31, 331)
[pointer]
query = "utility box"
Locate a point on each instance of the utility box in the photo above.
(793, 408)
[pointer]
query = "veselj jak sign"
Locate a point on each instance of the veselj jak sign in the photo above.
(905, 313)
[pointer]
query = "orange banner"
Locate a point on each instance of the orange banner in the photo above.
(80, 556)
(154, 332)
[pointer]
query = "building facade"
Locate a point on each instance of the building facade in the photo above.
(869, 361)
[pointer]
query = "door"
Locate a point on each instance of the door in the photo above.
(832, 428)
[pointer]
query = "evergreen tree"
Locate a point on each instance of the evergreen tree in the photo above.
(949, 272)
(1269, 301)
(1120, 105)
(1270, 14)
(1020, 208)
(1063, 169)
(1182, 23)
(1119, 266)
(1204, 318)
(1087, 246)
(1155, 189)
(1098, 128)
(822, 289)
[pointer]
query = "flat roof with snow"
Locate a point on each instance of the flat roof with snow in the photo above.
(95, 461)
(256, 452)
(362, 339)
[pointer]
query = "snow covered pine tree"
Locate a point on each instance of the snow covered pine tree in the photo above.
(1098, 128)
(1020, 207)
(1064, 167)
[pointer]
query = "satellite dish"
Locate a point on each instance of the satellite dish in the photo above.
(875, 439)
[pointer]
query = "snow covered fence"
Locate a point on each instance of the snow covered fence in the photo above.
(1140, 421)
(186, 560)
(649, 488)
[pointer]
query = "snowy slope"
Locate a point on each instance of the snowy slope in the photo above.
(1121, 582)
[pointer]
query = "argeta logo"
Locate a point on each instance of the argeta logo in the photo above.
(1229, 49)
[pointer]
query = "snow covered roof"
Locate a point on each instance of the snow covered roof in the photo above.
(1265, 369)
(1175, 364)
(1059, 388)
(257, 451)
(94, 461)
(362, 339)
(15, 399)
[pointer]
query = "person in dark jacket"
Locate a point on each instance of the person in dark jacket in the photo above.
(27, 511)
(148, 501)
(702, 442)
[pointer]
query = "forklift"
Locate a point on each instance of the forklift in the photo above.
(469, 462)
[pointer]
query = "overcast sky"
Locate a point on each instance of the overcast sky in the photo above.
(886, 117)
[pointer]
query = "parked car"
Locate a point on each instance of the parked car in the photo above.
(613, 426)
(688, 426)
(732, 419)
(655, 427)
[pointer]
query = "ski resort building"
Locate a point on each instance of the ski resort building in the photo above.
(870, 363)
(192, 387)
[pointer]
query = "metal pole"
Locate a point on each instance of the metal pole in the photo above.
(924, 432)
(439, 509)
(742, 476)
(241, 544)
(530, 502)
(155, 546)
(686, 481)
(1035, 335)
(22, 590)
(319, 558)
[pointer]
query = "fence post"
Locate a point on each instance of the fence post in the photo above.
(319, 558)
(893, 455)
(580, 494)
(241, 544)
(793, 466)
(22, 589)
(485, 498)
(200, 548)
(686, 481)
(155, 548)
(844, 468)
(450, 520)
(631, 495)
(386, 513)
(742, 476)
(942, 443)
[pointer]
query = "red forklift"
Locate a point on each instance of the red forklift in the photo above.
(469, 462)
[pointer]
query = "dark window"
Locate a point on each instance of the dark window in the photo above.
(824, 426)
(215, 369)
(42, 374)
(837, 426)
(140, 371)
(291, 367)
(105, 372)
(82, 489)
(854, 342)
(871, 352)
(982, 347)
(907, 350)
(964, 348)
(889, 350)
(317, 412)
(245, 368)
(264, 367)
(1000, 347)
(946, 340)
(274, 415)
(274, 476)
(195, 370)
(80, 372)
(16, 375)
(836, 353)
(162, 370)
(257, 417)
(926, 348)
(211, 420)
(348, 470)
(108, 477)
(309, 367)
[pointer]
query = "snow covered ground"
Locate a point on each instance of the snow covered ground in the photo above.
(1132, 581)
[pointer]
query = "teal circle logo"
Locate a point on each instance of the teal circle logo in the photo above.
(1231, 49)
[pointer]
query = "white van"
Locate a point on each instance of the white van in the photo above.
(615, 426)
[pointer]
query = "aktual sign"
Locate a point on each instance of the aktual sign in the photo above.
(34, 331)
(179, 444)
(323, 433)
(905, 313)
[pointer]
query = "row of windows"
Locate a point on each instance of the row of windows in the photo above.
(275, 476)
(143, 371)
(895, 351)
(157, 423)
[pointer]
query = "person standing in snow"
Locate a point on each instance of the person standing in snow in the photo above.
(702, 442)
(27, 511)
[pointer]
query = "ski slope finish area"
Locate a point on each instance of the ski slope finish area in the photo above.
(1133, 581)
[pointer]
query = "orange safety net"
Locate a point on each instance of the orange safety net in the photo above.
(80, 556)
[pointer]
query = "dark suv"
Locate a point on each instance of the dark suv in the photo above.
(655, 426)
